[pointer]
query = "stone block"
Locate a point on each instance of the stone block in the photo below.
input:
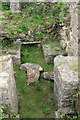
(33, 71)
(48, 75)
(14, 6)
(65, 36)
(27, 66)
(65, 80)
(8, 93)
(50, 53)
(32, 76)
(16, 57)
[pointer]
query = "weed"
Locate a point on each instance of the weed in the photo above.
(59, 64)
(40, 34)
(19, 30)
(27, 39)
(11, 31)
(9, 13)
(24, 28)
(56, 50)
(20, 12)
(37, 85)
(25, 53)
(75, 65)
(13, 53)
(43, 42)
(2, 108)
(46, 53)
(46, 110)
(60, 12)
(50, 85)
(79, 87)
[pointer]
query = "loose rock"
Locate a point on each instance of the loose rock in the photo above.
(32, 76)
(48, 75)
(28, 66)
(33, 72)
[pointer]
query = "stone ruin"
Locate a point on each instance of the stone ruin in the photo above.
(65, 81)
(8, 93)
(66, 70)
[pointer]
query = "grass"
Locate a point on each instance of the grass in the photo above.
(35, 103)
(34, 54)
(13, 53)
(12, 46)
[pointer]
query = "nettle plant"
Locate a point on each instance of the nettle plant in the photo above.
(60, 12)
(4, 114)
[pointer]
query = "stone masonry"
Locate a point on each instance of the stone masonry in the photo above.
(14, 6)
(64, 87)
(8, 93)
(70, 33)
(72, 46)
(65, 81)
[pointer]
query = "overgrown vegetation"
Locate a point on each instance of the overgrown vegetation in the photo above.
(34, 19)
(5, 5)
(36, 100)
(4, 114)
(34, 54)
(73, 103)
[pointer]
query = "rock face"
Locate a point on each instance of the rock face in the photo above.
(48, 75)
(50, 53)
(65, 81)
(32, 76)
(28, 66)
(8, 94)
(33, 71)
